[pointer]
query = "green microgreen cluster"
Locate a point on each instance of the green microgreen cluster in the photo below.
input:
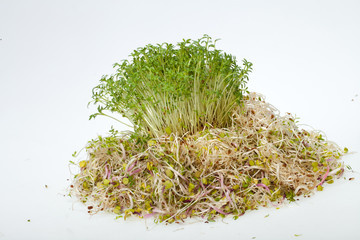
(261, 159)
(168, 88)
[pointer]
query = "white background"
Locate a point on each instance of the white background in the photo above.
(306, 57)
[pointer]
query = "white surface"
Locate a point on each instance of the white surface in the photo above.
(306, 57)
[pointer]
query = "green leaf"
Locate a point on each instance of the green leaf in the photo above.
(168, 130)
(151, 143)
(169, 173)
(265, 181)
(168, 184)
(106, 182)
(191, 187)
(125, 181)
(204, 181)
(82, 164)
(117, 210)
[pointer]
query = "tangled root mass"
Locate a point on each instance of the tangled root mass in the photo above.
(261, 160)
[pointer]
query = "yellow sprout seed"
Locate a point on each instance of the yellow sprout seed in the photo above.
(197, 174)
(314, 164)
(125, 181)
(191, 187)
(204, 181)
(168, 130)
(168, 184)
(265, 181)
(169, 173)
(82, 164)
(117, 210)
(106, 182)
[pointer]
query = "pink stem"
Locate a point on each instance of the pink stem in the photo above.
(107, 175)
(135, 171)
(342, 172)
(131, 166)
(188, 212)
(202, 194)
(222, 181)
(325, 175)
(220, 211)
(202, 185)
(225, 189)
(263, 185)
(149, 215)
(156, 210)
(227, 194)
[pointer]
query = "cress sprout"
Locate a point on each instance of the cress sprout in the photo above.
(169, 88)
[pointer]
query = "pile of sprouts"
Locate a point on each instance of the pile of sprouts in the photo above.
(202, 145)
